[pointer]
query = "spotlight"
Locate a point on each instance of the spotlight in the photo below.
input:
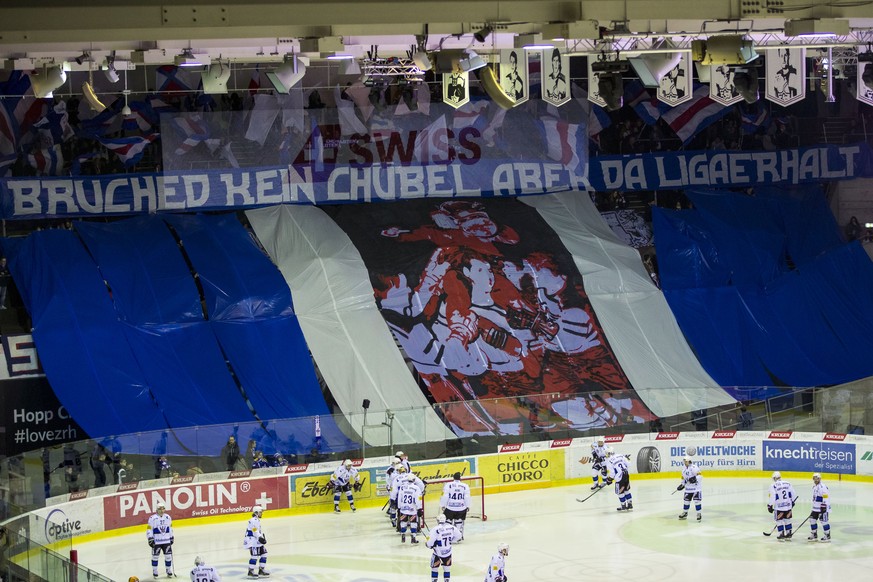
(82, 58)
(421, 60)
(109, 71)
(215, 78)
(288, 74)
(187, 59)
(651, 68)
(816, 27)
(610, 87)
(532, 42)
(349, 67)
(46, 82)
(483, 34)
(471, 61)
(746, 84)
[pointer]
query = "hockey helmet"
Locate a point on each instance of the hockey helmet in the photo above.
(457, 476)
(395, 461)
(160, 507)
(347, 463)
(399, 454)
(610, 451)
(257, 511)
(503, 548)
(401, 467)
(816, 478)
(198, 561)
(133, 579)
(777, 475)
(686, 459)
(441, 518)
(410, 477)
(601, 441)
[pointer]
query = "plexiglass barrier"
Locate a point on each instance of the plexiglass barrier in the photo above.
(480, 426)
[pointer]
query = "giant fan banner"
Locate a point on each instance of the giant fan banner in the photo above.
(487, 304)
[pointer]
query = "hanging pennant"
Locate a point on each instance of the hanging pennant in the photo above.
(456, 88)
(555, 68)
(786, 74)
(593, 78)
(514, 74)
(865, 69)
(721, 85)
(675, 86)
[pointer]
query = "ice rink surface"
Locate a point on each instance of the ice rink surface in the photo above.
(552, 537)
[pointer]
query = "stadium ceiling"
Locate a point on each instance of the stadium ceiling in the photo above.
(156, 31)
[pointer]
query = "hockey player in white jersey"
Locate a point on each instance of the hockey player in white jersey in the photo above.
(343, 480)
(256, 543)
(780, 503)
(160, 538)
(408, 506)
(203, 573)
(390, 475)
(394, 487)
(440, 541)
(404, 460)
(497, 567)
(598, 463)
(455, 502)
(821, 510)
(618, 471)
(692, 484)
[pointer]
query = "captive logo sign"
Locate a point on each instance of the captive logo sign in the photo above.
(806, 456)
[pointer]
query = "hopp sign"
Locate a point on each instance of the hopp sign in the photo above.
(195, 500)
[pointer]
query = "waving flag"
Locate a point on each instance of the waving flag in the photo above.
(55, 125)
(47, 162)
(170, 78)
(128, 149)
(19, 110)
(195, 130)
(564, 141)
(692, 117)
(646, 106)
(755, 117)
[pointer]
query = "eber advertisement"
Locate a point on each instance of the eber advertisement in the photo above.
(316, 489)
(519, 468)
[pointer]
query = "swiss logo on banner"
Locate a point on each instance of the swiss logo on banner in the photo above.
(296, 468)
(510, 448)
(667, 436)
(724, 434)
(613, 438)
(558, 443)
(834, 436)
(195, 500)
(780, 434)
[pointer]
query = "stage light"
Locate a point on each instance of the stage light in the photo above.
(652, 67)
(110, 72)
(471, 61)
(746, 84)
(483, 34)
(610, 87)
(187, 59)
(215, 78)
(288, 74)
(724, 50)
(47, 81)
(532, 42)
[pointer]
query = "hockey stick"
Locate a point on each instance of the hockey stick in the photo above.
(590, 496)
(675, 490)
(769, 533)
(800, 526)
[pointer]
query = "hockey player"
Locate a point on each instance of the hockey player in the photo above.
(821, 509)
(455, 502)
(343, 480)
(256, 543)
(440, 541)
(781, 502)
(203, 573)
(408, 504)
(693, 486)
(160, 538)
(391, 474)
(497, 567)
(404, 460)
(397, 478)
(598, 462)
(619, 472)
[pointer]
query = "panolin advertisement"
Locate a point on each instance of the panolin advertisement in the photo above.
(196, 500)
(519, 468)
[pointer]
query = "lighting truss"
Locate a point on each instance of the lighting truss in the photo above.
(392, 69)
